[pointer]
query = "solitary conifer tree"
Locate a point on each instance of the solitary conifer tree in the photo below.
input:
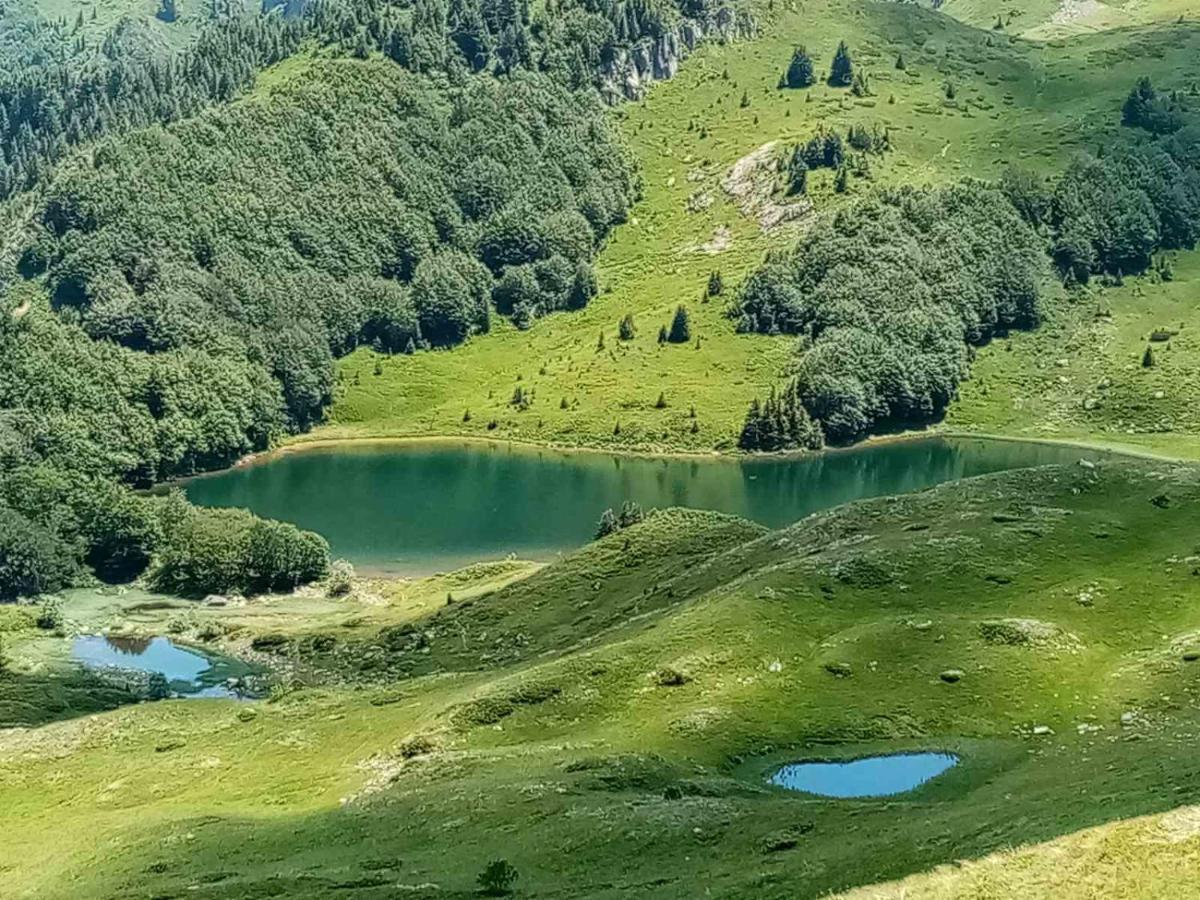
(841, 72)
(681, 327)
(800, 72)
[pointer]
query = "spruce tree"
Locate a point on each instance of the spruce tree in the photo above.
(841, 71)
(800, 73)
(607, 524)
(1148, 358)
(797, 177)
(681, 327)
(626, 330)
(715, 283)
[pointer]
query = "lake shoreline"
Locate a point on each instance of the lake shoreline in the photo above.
(303, 444)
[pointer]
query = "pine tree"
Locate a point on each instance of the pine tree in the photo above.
(1148, 358)
(661, 402)
(800, 73)
(841, 71)
(607, 525)
(662, 334)
(797, 177)
(681, 327)
(715, 283)
(626, 330)
(840, 182)
(600, 343)
(900, 61)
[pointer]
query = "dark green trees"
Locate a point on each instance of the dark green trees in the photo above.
(781, 423)
(886, 295)
(1146, 108)
(797, 176)
(715, 284)
(497, 878)
(610, 522)
(681, 326)
(841, 70)
(33, 559)
(800, 73)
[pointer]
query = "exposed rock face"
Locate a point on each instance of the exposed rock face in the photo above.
(633, 69)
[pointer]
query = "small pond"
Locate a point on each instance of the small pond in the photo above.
(871, 776)
(190, 673)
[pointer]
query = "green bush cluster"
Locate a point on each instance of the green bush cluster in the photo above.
(887, 294)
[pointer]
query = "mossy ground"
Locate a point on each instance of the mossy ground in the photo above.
(573, 758)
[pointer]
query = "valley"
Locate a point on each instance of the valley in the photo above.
(388, 504)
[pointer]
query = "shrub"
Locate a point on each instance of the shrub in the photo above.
(497, 878)
(33, 560)
(157, 687)
(341, 578)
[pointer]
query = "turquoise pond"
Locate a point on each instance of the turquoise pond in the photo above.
(871, 776)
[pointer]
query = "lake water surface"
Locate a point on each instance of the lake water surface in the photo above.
(189, 672)
(872, 776)
(413, 509)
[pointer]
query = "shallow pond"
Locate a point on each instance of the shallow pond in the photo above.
(189, 672)
(871, 776)
(417, 508)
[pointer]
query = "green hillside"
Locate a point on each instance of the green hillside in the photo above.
(1028, 104)
(633, 225)
(636, 758)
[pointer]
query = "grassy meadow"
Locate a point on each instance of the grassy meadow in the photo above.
(606, 723)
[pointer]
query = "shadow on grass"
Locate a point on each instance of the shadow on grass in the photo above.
(27, 701)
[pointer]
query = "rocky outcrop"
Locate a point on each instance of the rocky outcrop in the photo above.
(633, 69)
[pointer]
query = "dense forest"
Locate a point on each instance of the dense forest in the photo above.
(56, 99)
(179, 297)
(889, 294)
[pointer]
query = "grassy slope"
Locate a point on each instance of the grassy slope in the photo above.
(1080, 377)
(1021, 102)
(616, 786)
(1152, 856)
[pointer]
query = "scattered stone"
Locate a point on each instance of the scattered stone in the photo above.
(951, 676)
(669, 677)
(775, 666)
(1090, 403)
(1042, 730)
(1191, 655)
(839, 669)
(1088, 728)
(1162, 501)
(1086, 464)
(1128, 719)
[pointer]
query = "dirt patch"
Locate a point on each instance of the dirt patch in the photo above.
(722, 240)
(1072, 10)
(753, 182)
